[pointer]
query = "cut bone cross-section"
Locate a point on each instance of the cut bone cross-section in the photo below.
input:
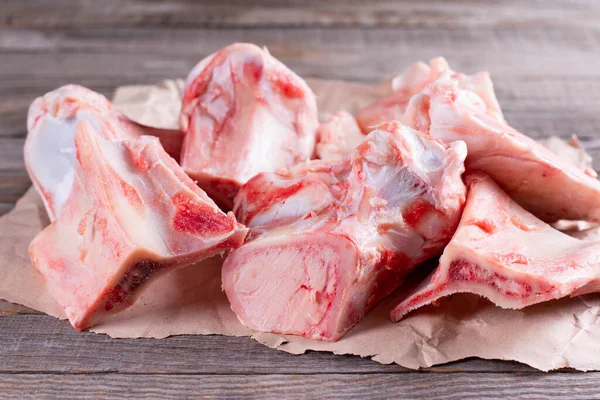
(329, 240)
(506, 254)
(132, 215)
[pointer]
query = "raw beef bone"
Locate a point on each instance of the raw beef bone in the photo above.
(456, 107)
(244, 112)
(50, 145)
(392, 107)
(571, 151)
(411, 82)
(506, 254)
(170, 139)
(132, 215)
(329, 240)
(338, 136)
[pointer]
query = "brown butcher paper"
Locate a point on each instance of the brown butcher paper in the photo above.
(563, 333)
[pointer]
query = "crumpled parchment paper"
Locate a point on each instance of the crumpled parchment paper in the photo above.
(563, 333)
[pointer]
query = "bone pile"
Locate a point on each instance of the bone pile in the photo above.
(317, 222)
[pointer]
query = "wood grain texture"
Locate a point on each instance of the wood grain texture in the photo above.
(543, 56)
(560, 100)
(31, 342)
(528, 14)
(296, 386)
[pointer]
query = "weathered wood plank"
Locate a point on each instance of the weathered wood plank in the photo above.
(13, 185)
(6, 207)
(561, 99)
(527, 111)
(12, 166)
(40, 343)
(355, 54)
(298, 13)
(338, 386)
(552, 106)
(543, 57)
(13, 177)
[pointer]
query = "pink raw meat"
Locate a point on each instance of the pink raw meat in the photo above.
(456, 107)
(132, 215)
(244, 112)
(170, 139)
(338, 136)
(50, 145)
(270, 200)
(504, 253)
(392, 107)
(329, 240)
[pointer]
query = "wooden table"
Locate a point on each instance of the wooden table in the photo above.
(544, 57)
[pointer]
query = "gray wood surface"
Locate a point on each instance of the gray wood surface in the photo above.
(312, 386)
(544, 57)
